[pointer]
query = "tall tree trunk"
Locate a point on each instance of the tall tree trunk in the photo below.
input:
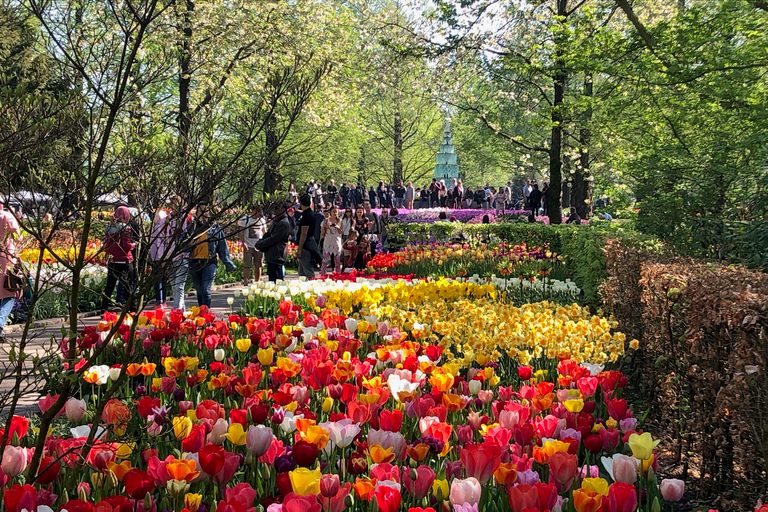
(272, 177)
(581, 193)
(185, 77)
(556, 148)
(397, 137)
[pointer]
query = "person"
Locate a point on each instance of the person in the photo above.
(361, 225)
(607, 216)
(293, 196)
(179, 248)
(208, 242)
(372, 196)
(253, 226)
(434, 194)
(307, 245)
(544, 199)
(311, 188)
(399, 195)
(573, 218)
(363, 255)
(118, 246)
(332, 192)
(458, 195)
(359, 195)
(527, 189)
(534, 199)
(383, 229)
(9, 227)
(410, 194)
(374, 228)
(331, 232)
(319, 218)
(157, 254)
(501, 200)
(274, 243)
(344, 196)
(468, 196)
(346, 224)
(508, 193)
(349, 248)
(424, 198)
(292, 222)
(381, 195)
(443, 194)
(479, 198)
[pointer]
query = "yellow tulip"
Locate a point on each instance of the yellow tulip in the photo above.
(440, 488)
(182, 426)
(192, 501)
(265, 355)
(305, 481)
(574, 405)
(598, 485)
(327, 404)
(124, 450)
(243, 344)
(236, 434)
(642, 445)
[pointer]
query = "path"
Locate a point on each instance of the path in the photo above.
(40, 339)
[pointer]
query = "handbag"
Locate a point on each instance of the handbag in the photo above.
(14, 280)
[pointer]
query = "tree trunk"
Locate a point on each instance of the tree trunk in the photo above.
(581, 192)
(556, 148)
(185, 77)
(397, 137)
(272, 178)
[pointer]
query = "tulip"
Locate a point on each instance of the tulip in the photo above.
(672, 489)
(138, 483)
(14, 461)
(418, 482)
(563, 468)
(258, 439)
(587, 501)
(211, 459)
(522, 496)
(18, 498)
(329, 485)
(642, 445)
(192, 501)
(305, 481)
(387, 498)
(335, 503)
(242, 492)
(481, 460)
(219, 431)
(236, 434)
(219, 354)
(621, 468)
(243, 344)
(182, 427)
(598, 485)
(297, 503)
(464, 491)
(622, 497)
(75, 409)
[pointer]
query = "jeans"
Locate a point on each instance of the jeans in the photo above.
(120, 274)
(161, 284)
(178, 276)
(6, 306)
(202, 273)
(275, 272)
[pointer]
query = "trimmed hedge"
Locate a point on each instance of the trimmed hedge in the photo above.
(582, 247)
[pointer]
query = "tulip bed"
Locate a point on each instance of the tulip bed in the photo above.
(354, 396)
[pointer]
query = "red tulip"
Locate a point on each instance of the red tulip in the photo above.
(387, 498)
(242, 492)
(563, 468)
(18, 498)
(77, 506)
(138, 483)
(622, 497)
(48, 471)
(524, 372)
(522, 497)
(593, 443)
(335, 503)
(523, 434)
(587, 386)
(617, 408)
(610, 438)
(418, 482)
(481, 460)
(305, 454)
(391, 421)
(195, 440)
(547, 495)
(114, 504)
(283, 482)
(296, 503)
(211, 459)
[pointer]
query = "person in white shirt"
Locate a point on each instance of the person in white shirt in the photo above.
(253, 227)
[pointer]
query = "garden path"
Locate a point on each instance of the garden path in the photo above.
(40, 342)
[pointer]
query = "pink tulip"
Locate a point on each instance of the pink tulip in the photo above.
(465, 491)
(625, 469)
(14, 460)
(672, 489)
(258, 439)
(75, 409)
(242, 492)
(418, 482)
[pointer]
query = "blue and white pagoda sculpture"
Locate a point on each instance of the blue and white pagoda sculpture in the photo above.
(447, 166)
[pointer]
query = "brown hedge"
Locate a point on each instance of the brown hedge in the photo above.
(702, 364)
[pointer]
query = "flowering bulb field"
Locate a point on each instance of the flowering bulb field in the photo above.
(372, 395)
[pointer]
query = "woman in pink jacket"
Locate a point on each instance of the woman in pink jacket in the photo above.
(8, 228)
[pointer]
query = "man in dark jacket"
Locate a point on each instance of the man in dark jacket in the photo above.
(274, 243)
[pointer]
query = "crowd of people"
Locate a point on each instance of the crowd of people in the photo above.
(436, 194)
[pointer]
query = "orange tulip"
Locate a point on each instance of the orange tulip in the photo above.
(417, 452)
(506, 474)
(453, 402)
(148, 369)
(380, 455)
(316, 435)
(586, 501)
(363, 487)
(133, 369)
(543, 402)
(119, 470)
(182, 469)
(441, 381)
